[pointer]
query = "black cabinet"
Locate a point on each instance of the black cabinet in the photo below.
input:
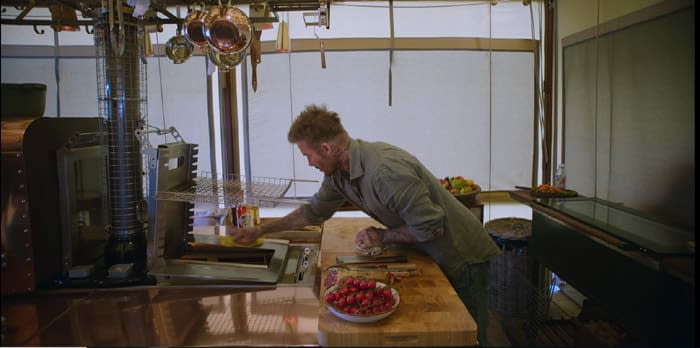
(616, 256)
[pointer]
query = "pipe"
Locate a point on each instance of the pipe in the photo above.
(121, 81)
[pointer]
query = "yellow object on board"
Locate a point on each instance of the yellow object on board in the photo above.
(229, 242)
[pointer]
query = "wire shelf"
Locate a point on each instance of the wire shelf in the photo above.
(234, 190)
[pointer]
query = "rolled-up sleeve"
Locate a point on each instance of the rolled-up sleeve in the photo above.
(402, 192)
(323, 203)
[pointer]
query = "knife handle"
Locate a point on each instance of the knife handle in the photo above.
(371, 259)
(385, 266)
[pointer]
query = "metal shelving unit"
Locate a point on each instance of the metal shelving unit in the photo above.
(233, 190)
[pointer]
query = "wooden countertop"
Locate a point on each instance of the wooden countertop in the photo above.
(430, 312)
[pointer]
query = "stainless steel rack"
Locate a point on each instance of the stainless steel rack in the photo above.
(233, 190)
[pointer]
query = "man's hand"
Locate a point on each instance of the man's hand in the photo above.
(248, 235)
(243, 236)
(369, 241)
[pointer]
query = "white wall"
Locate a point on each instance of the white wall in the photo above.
(460, 112)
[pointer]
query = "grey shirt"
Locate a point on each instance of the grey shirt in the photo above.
(394, 188)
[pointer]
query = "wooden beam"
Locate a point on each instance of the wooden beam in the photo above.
(406, 44)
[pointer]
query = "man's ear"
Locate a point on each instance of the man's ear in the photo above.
(325, 148)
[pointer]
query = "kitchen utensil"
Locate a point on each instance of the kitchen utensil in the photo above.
(383, 266)
(396, 273)
(227, 29)
(193, 26)
(351, 259)
(178, 48)
(321, 49)
(255, 58)
(226, 62)
(402, 269)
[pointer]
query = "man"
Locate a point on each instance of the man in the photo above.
(394, 188)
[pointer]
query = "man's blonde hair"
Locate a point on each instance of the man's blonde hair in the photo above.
(315, 125)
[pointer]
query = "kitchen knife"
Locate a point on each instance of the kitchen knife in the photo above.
(370, 259)
(381, 267)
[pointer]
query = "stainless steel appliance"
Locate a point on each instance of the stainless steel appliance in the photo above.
(83, 204)
(56, 213)
(35, 247)
(175, 257)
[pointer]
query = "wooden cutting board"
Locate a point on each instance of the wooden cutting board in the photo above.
(430, 312)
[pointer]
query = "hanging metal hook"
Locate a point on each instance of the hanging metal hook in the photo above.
(25, 9)
(36, 30)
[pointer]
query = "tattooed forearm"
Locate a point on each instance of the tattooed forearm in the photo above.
(293, 220)
(398, 235)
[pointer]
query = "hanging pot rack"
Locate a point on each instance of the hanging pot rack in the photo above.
(158, 13)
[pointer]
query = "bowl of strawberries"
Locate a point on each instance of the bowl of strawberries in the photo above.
(361, 300)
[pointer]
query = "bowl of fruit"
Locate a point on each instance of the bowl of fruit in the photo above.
(361, 300)
(465, 190)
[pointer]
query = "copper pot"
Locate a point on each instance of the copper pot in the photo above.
(227, 29)
(226, 62)
(193, 27)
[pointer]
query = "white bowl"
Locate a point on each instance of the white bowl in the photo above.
(357, 318)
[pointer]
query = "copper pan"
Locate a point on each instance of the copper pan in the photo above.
(226, 62)
(227, 29)
(193, 27)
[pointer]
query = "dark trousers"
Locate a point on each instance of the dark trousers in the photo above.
(472, 286)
